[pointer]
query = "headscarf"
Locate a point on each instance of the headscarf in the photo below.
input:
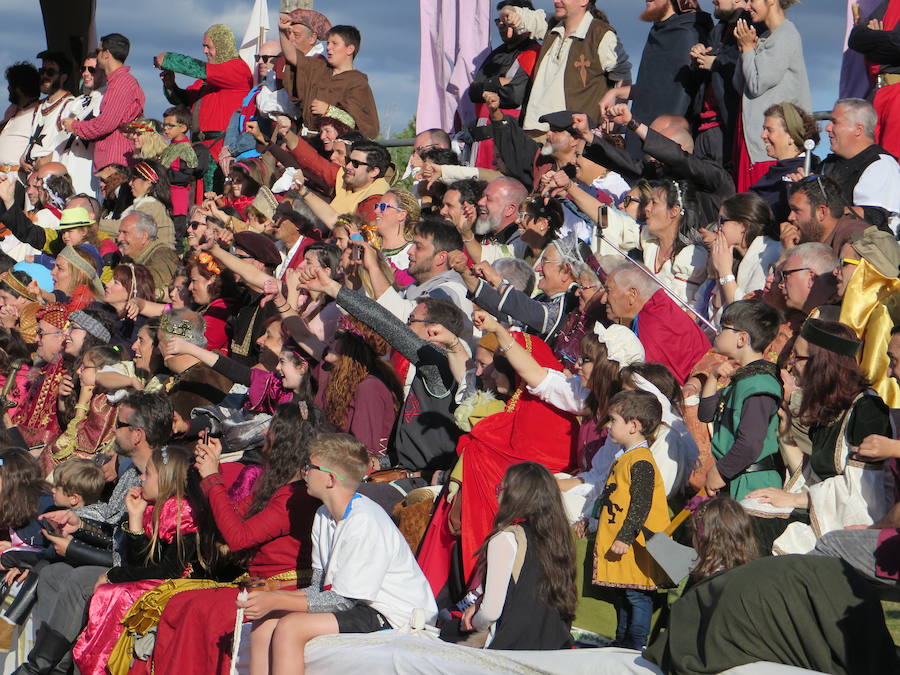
(223, 40)
(56, 314)
(72, 257)
(793, 123)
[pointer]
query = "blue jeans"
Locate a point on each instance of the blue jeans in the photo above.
(633, 611)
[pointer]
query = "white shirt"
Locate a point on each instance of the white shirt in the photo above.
(879, 185)
(682, 274)
(50, 140)
(365, 558)
(14, 137)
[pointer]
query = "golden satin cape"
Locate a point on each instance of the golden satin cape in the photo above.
(865, 308)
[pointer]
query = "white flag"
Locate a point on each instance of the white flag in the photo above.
(259, 21)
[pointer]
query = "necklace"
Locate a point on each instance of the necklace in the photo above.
(388, 252)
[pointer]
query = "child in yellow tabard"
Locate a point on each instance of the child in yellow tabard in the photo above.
(633, 502)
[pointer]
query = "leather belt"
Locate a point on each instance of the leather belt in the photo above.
(765, 464)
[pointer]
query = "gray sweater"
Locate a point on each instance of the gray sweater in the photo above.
(773, 72)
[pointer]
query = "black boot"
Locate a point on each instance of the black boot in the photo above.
(49, 649)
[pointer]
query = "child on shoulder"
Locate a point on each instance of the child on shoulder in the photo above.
(745, 413)
(633, 502)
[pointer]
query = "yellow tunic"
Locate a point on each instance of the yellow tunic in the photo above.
(636, 569)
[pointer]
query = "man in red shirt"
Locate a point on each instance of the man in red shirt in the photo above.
(123, 102)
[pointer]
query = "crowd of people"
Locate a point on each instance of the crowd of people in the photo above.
(251, 367)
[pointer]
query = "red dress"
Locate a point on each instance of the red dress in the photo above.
(528, 430)
(196, 627)
(218, 332)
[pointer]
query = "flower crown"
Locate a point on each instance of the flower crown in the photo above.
(181, 328)
(209, 263)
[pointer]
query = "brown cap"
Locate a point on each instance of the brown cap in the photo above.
(259, 246)
(880, 248)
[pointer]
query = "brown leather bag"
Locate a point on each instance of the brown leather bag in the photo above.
(387, 475)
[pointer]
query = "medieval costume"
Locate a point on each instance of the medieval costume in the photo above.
(528, 429)
(882, 51)
(221, 85)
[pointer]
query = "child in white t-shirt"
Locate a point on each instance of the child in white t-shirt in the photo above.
(365, 577)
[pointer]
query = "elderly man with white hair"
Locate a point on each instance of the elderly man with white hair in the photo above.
(867, 173)
(668, 334)
(808, 282)
(138, 244)
(495, 233)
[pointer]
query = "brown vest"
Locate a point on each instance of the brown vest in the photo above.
(585, 81)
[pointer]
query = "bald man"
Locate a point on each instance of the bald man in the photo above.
(668, 153)
(265, 59)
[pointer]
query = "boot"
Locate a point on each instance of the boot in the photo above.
(49, 649)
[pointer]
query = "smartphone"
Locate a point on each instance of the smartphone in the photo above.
(52, 527)
(602, 216)
(357, 253)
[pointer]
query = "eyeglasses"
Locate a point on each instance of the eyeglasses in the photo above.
(587, 287)
(47, 333)
(581, 360)
(815, 177)
(786, 273)
(120, 424)
(410, 321)
(89, 69)
(170, 125)
(52, 72)
(723, 328)
(381, 206)
(357, 163)
(308, 466)
(265, 58)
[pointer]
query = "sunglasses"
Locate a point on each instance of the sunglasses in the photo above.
(89, 69)
(628, 200)
(52, 72)
(265, 58)
(308, 466)
(357, 163)
(815, 177)
(194, 224)
(120, 424)
(381, 207)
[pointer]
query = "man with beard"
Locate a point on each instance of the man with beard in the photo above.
(581, 57)
(46, 135)
(668, 153)
(360, 183)
(718, 60)
(122, 102)
(78, 153)
(24, 86)
(666, 83)
(522, 158)
(819, 213)
(868, 175)
(496, 232)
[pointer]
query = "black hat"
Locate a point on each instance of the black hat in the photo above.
(562, 120)
(259, 246)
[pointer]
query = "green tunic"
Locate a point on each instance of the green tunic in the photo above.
(751, 380)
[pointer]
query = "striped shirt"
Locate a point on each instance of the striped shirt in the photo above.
(123, 101)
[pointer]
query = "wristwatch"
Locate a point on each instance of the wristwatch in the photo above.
(633, 125)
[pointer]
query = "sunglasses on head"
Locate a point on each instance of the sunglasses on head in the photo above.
(357, 163)
(89, 69)
(265, 58)
(52, 72)
(628, 200)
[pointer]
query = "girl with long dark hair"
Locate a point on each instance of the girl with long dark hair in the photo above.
(529, 605)
(269, 523)
(838, 410)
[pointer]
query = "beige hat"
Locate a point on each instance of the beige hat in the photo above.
(622, 345)
(880, 248)
(265, 202)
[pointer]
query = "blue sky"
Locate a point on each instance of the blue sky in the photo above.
(390, 49)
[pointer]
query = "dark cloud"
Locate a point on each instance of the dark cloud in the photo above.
(390, 50)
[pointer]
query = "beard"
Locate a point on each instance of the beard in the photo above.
(726, 15)
(810, 231)
(51, 87)
(547, 150)
(653, 14)
(486, 224)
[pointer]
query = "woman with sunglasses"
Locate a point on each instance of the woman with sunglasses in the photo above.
(836, 411)
(396, 216)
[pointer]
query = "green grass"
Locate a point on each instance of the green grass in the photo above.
(892, 619)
